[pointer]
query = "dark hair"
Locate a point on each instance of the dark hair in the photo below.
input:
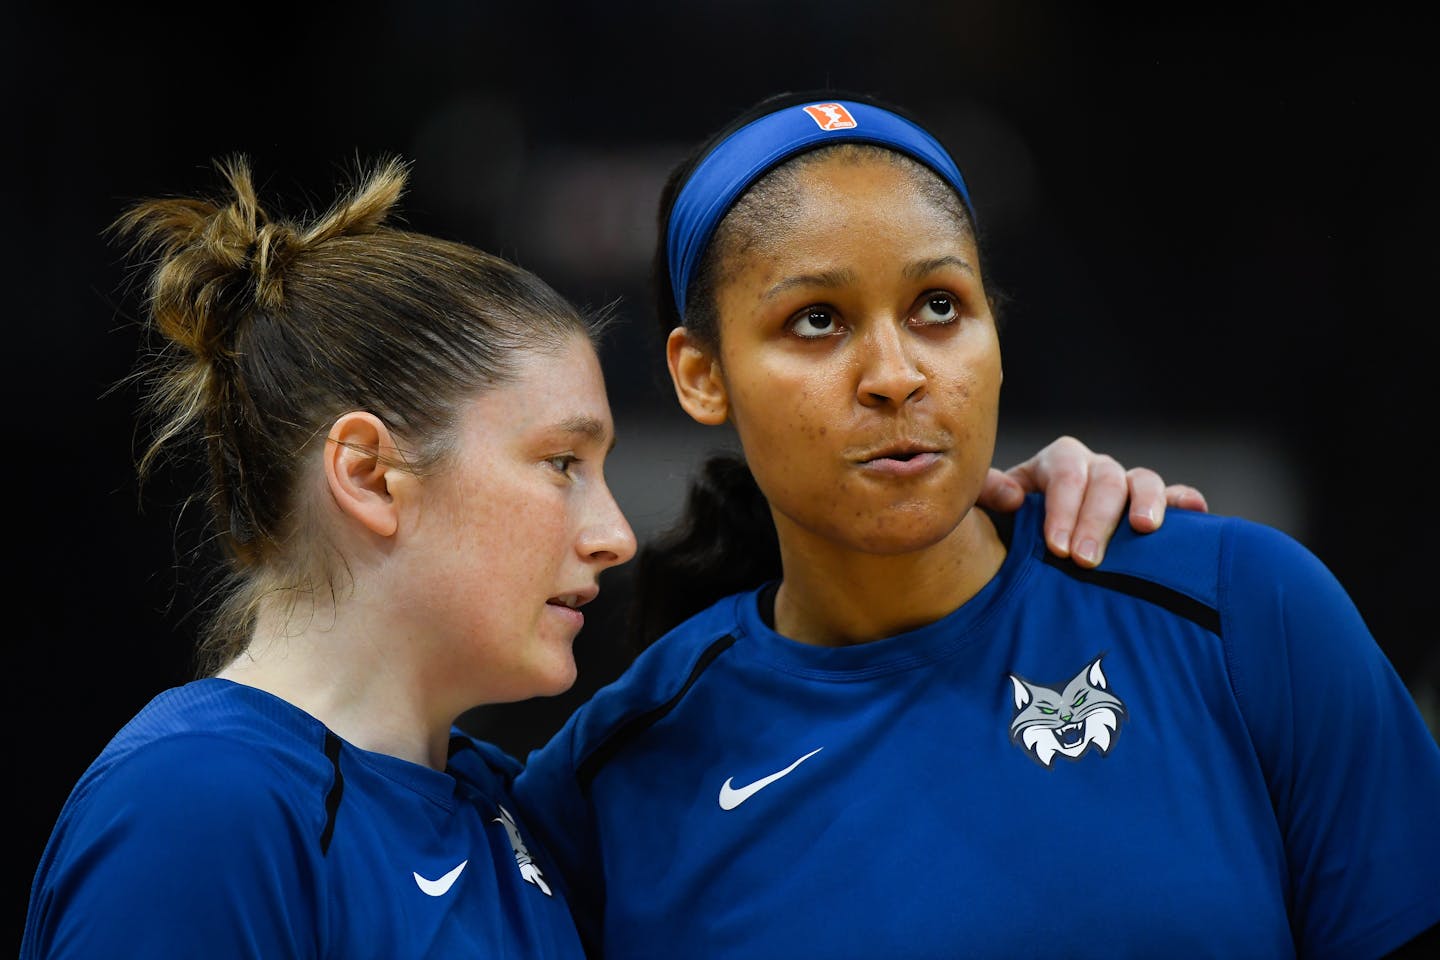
(266, 329)
(724, 541)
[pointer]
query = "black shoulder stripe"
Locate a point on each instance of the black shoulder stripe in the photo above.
(332, 801)
(641, 722)
(1200, 614)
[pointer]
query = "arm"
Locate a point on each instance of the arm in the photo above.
(1352, 770)
(1085, 496)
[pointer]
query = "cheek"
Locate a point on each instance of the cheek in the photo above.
(973, 395)
(501, 529)
(784, 422)
(794, 435)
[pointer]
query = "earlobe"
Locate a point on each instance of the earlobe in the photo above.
(359, 467)
(699, 383)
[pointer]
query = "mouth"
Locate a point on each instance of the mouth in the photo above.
(903, 459)
(573, 601)
(901, 452)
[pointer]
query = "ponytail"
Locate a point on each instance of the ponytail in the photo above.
(724, 542)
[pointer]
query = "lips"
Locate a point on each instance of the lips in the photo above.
(575, 600)
(899, 459)
(902, 452)
(567, 606)
(901, 449)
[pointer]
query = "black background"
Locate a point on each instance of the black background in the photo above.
(1210, 224)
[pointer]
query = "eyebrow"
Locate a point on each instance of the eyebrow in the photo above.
(827, 278)
(587, 427)
(836, 278)
(921, 267)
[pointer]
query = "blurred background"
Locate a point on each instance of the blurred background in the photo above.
(1217, 234)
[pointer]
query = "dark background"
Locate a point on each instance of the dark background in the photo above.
(1217, 230)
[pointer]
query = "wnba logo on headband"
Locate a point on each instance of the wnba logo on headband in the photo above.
(831, 116)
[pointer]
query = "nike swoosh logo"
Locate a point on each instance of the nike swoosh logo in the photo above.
(438, 888)
(730, 797)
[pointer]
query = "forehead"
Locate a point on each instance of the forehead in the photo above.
(555, 390)
(843, 205)
(847, 177)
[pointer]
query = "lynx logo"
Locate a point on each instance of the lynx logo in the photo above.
(1049, 721)
(831, 116)
(528, 870)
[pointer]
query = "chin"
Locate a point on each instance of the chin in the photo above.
(558, 678)
(541, 679)
(893, 533)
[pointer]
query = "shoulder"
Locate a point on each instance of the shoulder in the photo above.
(225, 751)
(190, 818)
(657, 679)
(1214, 559)
(553, 789)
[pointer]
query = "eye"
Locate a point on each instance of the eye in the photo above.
(936, 307)
(812, 323)
(1048, 710)
(563, 463)
(1080, 700)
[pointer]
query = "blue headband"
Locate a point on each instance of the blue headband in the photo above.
(745, 155)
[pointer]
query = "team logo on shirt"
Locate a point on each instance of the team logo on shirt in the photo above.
(831, 116)
(528, 871)
(1067, 721)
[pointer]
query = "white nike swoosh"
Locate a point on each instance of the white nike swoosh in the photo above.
(438, 888)
(730, 798)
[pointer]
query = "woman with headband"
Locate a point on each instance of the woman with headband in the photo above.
(909, 729)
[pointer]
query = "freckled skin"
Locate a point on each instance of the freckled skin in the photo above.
(868, 248)
(503, 531)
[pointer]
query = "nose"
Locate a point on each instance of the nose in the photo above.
(607, 539)
(888, 373)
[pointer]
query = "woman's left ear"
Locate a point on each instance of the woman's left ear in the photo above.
(696, 375)
(360, 458)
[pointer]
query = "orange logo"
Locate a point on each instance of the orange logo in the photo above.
(831, 116)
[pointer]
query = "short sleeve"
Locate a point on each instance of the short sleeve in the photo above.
(186, 848)
(1352, 769)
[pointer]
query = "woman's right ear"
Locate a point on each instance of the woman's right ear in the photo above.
(361, 472)
(699, 383)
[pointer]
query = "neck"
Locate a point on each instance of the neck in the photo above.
(835, 596)
(343, 667)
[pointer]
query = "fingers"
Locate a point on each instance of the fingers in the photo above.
(1147, 499)
(1086, 495)
(1185, 498)
(1061, 470)
(1102, 504)
(1149, 496)
(1001, 492)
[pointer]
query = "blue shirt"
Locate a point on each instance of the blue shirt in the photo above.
(1197, 750)
(224, 822)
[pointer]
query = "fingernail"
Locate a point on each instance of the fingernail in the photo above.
(1152, 515)
(1061, 542)
(1089, 551)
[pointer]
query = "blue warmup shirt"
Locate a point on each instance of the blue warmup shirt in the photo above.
(1197, 750)
(223, 822)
